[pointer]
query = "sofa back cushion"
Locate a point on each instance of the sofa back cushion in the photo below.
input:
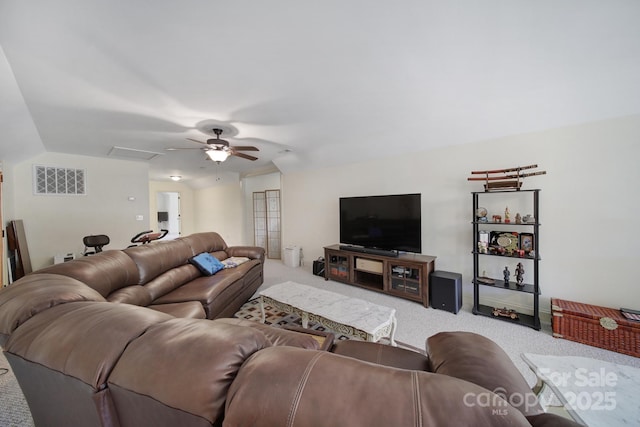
(156, 258)
(181, 370)
(36, 293)
(134, 294)
(82, 339)
(105, 272)
(170, 280)
(206, 242)
(63, 356)
(288, 386)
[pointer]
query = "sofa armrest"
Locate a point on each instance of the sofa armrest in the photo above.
(477, 359)
(252, 252)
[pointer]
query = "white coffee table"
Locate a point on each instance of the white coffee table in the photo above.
(594, 392)
(350, 316)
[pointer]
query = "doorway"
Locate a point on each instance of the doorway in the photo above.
(168, 206)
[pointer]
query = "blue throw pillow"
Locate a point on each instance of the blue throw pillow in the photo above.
(206, 263)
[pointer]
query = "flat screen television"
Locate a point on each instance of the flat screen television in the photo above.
(390, 223)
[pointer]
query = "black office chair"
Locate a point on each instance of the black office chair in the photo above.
(94, 242)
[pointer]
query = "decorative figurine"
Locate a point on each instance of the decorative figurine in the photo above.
(505, 312)
(518, 218)
(481, 214)
(507, 217)
(496, 218)
(482, 247)
(519, 275)
(507, 274)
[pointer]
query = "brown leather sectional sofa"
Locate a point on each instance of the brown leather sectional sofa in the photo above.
(159, 276)
(83, 360)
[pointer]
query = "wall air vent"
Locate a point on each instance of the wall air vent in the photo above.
(132, 153)
(51, 180)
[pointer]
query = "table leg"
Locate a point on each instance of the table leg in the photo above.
(264, 317)
(305, 319)
(393, 331)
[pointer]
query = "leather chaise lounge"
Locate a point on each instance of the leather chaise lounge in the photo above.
(83, 359)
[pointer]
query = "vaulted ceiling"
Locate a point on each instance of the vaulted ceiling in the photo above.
(310, 83)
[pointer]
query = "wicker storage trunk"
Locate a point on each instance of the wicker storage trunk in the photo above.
(597, 326)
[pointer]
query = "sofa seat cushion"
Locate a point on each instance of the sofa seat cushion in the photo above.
(134, 294)
(35, 293)
(186, 365)
(214, 292)
(356, 393)
(203, 289)
(477, 359)
(188, 309)
(276, 336)
(382, 354)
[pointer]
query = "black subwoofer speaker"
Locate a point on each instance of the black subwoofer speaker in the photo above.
(318, 267)
(445, 290)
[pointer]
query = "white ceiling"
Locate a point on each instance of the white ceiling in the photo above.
(309, 83)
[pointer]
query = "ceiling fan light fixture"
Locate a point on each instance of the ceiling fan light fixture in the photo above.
(218, 155)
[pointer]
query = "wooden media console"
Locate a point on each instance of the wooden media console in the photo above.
(405, 276)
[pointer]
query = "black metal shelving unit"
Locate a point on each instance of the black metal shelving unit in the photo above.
(532, 321)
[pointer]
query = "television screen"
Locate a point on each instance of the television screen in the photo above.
(163, 216)
(390, 222)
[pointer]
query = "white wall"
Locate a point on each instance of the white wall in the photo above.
(57, 224)
(220, 208)
(589, 205)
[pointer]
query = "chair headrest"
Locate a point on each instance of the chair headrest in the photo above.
(97, 240)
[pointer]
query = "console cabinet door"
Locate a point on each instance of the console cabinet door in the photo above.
(337, 266)
(406, 280)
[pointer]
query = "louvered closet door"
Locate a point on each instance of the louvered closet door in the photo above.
(273, 224)
(260, 219)
(266, 222)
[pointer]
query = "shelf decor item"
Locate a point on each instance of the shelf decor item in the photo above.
(526, 242)
(504, 179)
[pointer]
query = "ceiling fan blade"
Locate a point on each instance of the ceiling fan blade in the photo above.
(244, 156)
(199, 142)
(176, 149)
(245, 148)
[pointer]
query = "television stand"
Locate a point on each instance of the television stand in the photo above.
(402, 275)
(372, 251)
